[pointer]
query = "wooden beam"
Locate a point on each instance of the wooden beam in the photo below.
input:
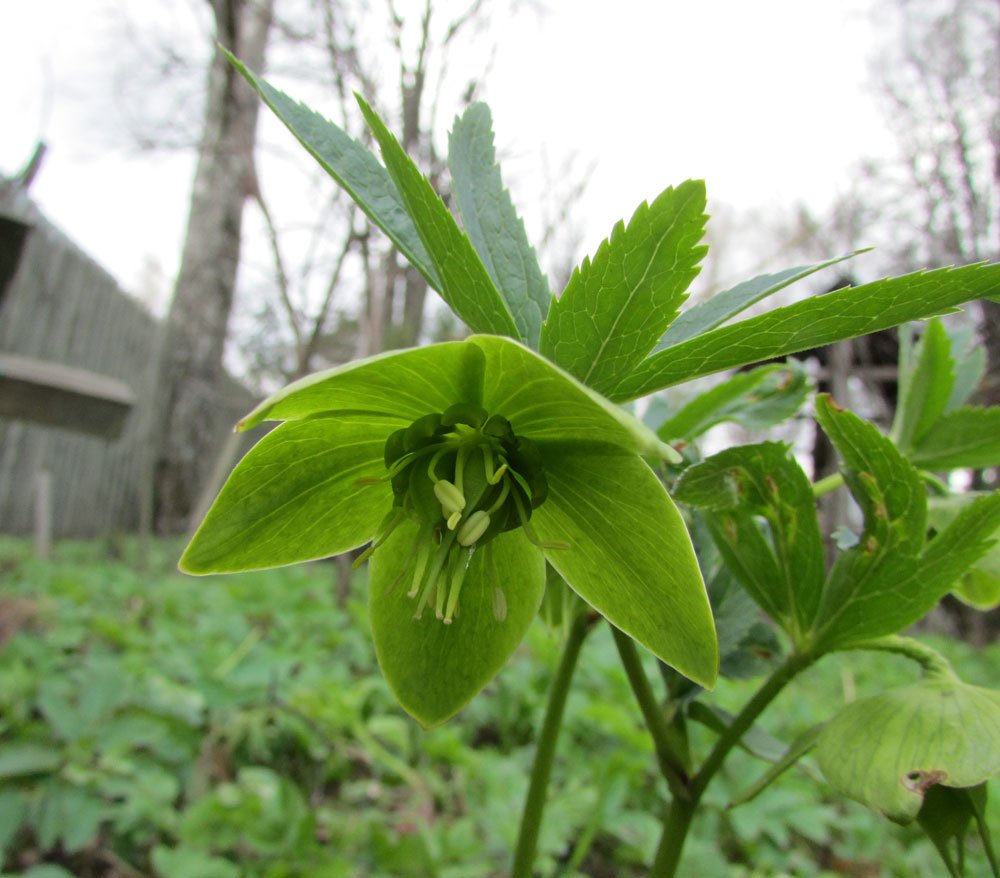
(63, 396)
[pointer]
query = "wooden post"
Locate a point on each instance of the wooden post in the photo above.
(43, 513)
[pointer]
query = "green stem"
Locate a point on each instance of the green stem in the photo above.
(793, 665)
(825, 486)
(681, 812)
(675, 830)
(541, 770)
(669, 750)
(929, 659)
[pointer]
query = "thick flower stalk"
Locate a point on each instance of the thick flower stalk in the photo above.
(466, 465)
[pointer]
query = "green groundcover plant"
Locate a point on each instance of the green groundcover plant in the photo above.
(499, 476)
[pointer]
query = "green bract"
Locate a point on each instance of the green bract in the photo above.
(469, 464)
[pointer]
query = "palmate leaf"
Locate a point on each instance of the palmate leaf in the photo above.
(492, 223)
(715, 311)
(980, 585)
(888, 489)
(755, 400)
(891, 578)
(464, 282)
(811, 323)
(784, 576)
(900, 589)
(966, 437)
(355, 168)
(618, 304)
(927, 387)
(932, 427)
(970, 366)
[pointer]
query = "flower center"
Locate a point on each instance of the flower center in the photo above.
(464, 477)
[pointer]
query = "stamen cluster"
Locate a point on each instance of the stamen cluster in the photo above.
(464, 477)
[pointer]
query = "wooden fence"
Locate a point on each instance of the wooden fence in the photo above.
(57, 304)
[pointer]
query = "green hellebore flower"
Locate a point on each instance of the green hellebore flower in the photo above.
(468, 465)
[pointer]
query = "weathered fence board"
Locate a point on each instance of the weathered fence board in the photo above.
(59, 306)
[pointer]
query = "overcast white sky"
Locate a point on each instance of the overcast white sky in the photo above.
(765, 100)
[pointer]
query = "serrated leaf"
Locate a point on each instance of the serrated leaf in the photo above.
(891, 578)
(492, 223)
(785, 574)
(901, 589)
(970, 366)
(966, 437)
(355, 168)
(811, 323)
(888, 489)
(927, 388)
(618, 304)
(887, 750)
(980, 585)
(893, 500)
(715, 311)
(756, 400)
(464, 283)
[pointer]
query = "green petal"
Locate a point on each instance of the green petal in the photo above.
(295, 497)
(543, 402)
(630, 555)
(539, 399)
(403, 384)
(436, 669)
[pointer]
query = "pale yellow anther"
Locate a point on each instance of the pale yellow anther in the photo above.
(454, 519)
(474, 527)
(495, 478)
(451, 499)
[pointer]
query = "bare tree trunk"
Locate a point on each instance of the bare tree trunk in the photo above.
(203, 295)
